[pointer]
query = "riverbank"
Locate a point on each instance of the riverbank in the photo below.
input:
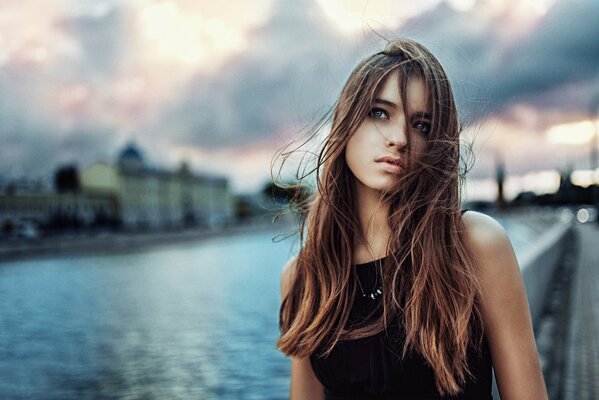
(524, 227)
(89, 243)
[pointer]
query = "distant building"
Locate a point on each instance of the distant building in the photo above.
(153, 198)
(38, 206)
(129, 194)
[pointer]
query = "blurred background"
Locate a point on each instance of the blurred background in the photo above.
(138, 253)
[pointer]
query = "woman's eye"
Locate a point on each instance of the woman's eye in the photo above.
(423, 127)
(378, 113)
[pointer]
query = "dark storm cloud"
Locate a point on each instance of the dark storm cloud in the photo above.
(561, 51)
(290, 75)
(24, 128)
(35, 150)
(564, 50)
(293, 70)
(296, 65)
(33, 139)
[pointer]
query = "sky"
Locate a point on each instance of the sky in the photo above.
(223, 85)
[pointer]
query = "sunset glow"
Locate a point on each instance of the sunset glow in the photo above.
(359, 15)
(192, 78)
(576, 133)
(521, 8)
(539, 182)
(171, 34)
(462, 5)
(29, 34)
(585, 178)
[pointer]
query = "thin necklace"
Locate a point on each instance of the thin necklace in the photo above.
(373, 295)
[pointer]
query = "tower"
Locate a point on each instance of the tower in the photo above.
(500, 178)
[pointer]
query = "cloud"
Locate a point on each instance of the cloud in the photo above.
(297, 64)
(102, 38)
(291, 70)
(97, 83)
(499, 64)
(564, 50)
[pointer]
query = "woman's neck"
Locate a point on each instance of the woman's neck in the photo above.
(372, 213)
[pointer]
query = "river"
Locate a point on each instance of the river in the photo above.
(197, 320)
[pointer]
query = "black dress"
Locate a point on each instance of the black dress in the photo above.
(372, 367)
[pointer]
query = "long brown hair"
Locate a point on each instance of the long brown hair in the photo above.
(428, 275)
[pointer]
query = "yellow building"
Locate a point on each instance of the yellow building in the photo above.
(152, 198)
(43, 208)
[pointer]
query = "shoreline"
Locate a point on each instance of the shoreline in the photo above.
(97, 243)
(90, 244)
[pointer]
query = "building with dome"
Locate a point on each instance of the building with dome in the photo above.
(154, 198)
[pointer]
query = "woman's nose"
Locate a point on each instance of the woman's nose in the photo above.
(397, 136)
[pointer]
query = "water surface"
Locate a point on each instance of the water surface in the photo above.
(187, 321)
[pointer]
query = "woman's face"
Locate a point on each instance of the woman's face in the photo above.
(377, 153)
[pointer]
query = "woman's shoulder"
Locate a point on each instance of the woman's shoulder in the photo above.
(492, 252)
(482, 228)
(485, 236)
(504, 307)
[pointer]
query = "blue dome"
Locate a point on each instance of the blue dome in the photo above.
(131, 159)
(131, 153)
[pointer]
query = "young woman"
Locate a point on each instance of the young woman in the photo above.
(395, 293)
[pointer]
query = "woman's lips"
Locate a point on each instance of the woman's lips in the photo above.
(393, 168)
(390, 164)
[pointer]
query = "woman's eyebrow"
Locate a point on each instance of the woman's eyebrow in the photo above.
(388, 103)
(422, 115)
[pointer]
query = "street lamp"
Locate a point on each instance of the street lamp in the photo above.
(594, 114)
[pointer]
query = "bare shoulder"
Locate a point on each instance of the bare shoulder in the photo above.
(496, 264)
(483, 228)
(492, 252)
(288, 276)
(504, 309)
(487, 238)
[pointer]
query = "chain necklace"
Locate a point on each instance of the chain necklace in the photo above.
(375, 293)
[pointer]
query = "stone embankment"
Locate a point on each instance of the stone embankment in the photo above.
(114, 242)
(542, 262)
(561, 275)
(581, 352)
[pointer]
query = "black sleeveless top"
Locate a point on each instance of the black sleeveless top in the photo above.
(372, 367)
